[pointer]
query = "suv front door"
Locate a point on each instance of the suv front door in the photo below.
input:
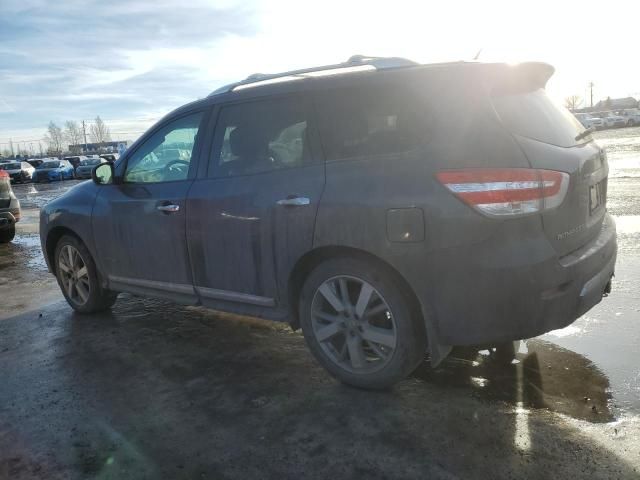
(139, 222)
(254, 214)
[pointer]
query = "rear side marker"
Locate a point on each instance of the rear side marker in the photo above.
(507, 192)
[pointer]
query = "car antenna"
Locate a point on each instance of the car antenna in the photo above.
(477, 54)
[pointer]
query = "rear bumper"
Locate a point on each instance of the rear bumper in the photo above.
(502, 292)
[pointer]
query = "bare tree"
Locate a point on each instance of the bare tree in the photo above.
(54, 139)
(99, 132)
(73, 135)
(572, 102)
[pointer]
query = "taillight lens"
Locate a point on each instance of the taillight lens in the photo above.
(3, 174)
(505, 192)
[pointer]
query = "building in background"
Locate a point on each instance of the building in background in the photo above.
(616, 103)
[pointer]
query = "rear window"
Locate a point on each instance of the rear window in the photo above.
(9, 166)
(534, 115)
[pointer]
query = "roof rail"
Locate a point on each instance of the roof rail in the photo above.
(378, 63)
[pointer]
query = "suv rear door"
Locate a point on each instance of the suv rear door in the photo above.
(252, 215)
(550, 137)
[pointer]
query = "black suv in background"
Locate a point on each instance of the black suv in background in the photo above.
(389, 209)
(9, 209)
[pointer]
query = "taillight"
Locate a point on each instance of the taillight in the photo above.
(500, 192)
(3, 174)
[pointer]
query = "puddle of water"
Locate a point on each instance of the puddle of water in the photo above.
(23, 250)
(546, 376)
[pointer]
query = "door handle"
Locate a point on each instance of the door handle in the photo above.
(293, 201)
(171, 208)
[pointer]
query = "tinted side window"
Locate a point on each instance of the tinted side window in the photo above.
(260, 136)
(370, 121)
(166, 155)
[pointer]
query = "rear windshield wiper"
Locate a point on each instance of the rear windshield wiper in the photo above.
(581, 135)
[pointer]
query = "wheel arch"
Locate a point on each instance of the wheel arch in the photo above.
(53, 237)
(305, 265)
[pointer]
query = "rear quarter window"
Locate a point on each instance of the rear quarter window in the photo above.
(377, 120)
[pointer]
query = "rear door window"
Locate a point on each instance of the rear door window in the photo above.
(261, 136)
(534, 115)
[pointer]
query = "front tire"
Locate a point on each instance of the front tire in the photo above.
(360, 325)
(7, 234)
(77, 277)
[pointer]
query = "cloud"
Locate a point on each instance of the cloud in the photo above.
(77, 59)
(5, 107)
(131, 61)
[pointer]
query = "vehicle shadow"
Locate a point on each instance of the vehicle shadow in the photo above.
(155, 390)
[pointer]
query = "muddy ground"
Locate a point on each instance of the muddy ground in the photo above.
(155, 390)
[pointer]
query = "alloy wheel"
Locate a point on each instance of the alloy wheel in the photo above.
(74, 275)
(353, 324)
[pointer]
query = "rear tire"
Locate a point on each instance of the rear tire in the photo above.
(372, 340)
(78, 279)
(7, 234)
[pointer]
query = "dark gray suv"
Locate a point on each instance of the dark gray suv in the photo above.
(389, 209)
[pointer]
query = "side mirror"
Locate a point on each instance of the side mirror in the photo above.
(103, 174)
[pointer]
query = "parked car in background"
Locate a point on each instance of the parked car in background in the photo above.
(34, 162)
(589, 121)
(86, 166)
(110, 157)
(611, 120)
(75, 159)
(52, 170)
(9, 209)
(632, 116)
(340, 203)
(19, 171)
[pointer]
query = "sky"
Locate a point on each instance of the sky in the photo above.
(132, 61)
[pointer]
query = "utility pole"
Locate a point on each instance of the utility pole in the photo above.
(40, 148)
(591, 92)
(84, 133)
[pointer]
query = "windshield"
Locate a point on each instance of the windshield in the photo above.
(90, 161)
(9, 166)
(534, 115)
(49, 165)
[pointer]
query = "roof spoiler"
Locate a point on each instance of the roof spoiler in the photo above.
(521, 77)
